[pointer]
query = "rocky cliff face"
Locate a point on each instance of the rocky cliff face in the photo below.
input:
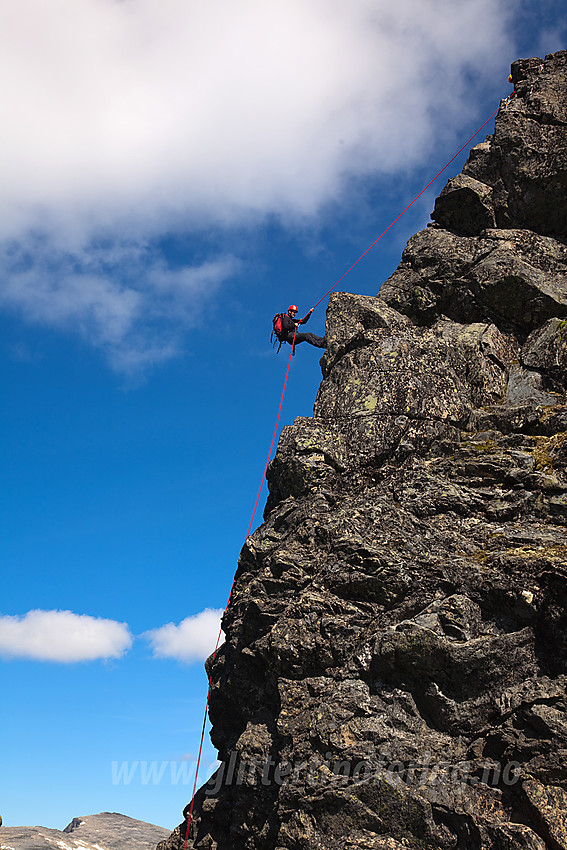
(396, 645)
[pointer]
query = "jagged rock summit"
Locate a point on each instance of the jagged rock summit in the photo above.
(105, 831)
(395, 661)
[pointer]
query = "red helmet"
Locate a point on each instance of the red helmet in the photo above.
(292, 309)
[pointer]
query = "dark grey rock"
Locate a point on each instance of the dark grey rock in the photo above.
(525, 161)
(546, 350)
(465, 206)
(525, 385)
(515, 279)
(395, 665)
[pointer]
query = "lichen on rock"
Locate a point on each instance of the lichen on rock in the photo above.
(395, 662)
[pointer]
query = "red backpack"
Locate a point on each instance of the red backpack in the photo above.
(277, 330)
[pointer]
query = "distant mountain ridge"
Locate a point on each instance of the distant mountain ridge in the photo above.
(105, 831)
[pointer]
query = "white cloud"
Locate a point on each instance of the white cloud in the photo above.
(193, 639)
(137, 108)
(124, 119)
(124, 301)
(62, 636)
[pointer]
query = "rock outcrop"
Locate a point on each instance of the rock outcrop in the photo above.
(395, 661)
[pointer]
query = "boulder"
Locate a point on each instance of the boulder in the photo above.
(465, 206)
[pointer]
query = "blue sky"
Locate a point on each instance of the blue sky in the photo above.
(174, 174)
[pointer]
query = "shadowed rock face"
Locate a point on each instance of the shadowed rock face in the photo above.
(396, 645)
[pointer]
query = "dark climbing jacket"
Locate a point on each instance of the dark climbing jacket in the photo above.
(284, 327)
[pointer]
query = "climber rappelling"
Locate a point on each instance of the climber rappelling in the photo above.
(285, 325)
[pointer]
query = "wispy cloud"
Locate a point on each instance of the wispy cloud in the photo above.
(62, 636)
(192, 640)
(124, 299)
(125, 120)
(551, 38)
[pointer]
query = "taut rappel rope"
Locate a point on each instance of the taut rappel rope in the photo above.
(342, 277)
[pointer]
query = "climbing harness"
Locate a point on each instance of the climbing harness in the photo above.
(342, 277)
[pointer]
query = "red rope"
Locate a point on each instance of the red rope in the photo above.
(407, 208)
(273, 436)
(190, 813)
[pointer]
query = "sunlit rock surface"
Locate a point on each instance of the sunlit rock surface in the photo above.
(396, 645)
